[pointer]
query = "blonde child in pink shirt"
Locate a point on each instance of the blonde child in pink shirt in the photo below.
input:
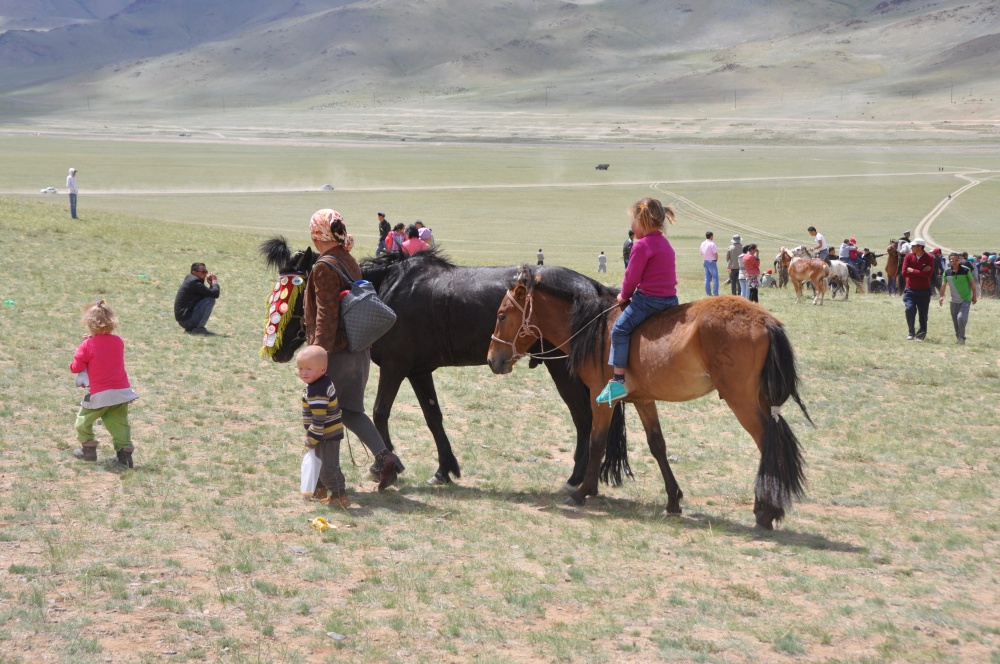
(100, 361)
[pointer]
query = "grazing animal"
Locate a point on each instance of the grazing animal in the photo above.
(445, 314)
(802, 268)
(721, 343)
(601, 167)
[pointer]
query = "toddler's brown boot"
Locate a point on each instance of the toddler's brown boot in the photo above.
(87, 451)
(125, 455)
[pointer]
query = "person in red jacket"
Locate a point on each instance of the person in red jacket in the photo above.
(918, 267)
(100, 365)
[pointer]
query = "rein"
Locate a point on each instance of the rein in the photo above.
(529, 329)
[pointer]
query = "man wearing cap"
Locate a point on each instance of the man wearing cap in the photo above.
(734, 261)
(627, 247)
(903, 244)
(383, 231)
(73, 191)
(958, 279)
(918, 268)
(710, 261)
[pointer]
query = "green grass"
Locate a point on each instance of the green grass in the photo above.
(497, 204)
(196, 549)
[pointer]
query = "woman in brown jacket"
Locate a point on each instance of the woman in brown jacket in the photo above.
(347, 370)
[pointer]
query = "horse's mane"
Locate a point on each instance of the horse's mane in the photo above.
(278, 256)
(379, 270)
(588, 315)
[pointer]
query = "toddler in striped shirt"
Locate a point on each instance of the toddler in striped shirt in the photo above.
(321, 418)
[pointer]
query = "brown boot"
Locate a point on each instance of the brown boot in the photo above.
(87, 451)
(125, 456)
(390, 466)
(337, 499)
(320, 493)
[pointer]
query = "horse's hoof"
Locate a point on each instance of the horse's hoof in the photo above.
(567, 489)
(668, 513)
(437, 479)
(572, 502)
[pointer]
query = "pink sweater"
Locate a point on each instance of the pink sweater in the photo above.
(103, 357)
(652, 268)
(751, 264)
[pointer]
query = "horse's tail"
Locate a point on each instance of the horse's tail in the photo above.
(780, 476)
(616, 454)
(276, 252)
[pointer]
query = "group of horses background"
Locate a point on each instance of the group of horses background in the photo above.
(559, 318)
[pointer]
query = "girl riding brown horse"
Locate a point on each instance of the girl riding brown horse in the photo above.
(725, 344)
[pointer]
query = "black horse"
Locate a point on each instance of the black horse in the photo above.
(445, 318)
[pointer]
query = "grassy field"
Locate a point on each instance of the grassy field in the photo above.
(494, 204)
(204, 552)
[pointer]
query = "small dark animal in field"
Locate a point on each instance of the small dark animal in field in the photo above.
(601, 167)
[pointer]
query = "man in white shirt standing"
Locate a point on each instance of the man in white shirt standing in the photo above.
(822, 249)
(710, 260)
(73, 191)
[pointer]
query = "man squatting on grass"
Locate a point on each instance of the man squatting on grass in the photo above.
(323, 421)
(958, 278)
(194, 301)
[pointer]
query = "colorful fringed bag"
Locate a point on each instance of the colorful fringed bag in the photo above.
(280, 309)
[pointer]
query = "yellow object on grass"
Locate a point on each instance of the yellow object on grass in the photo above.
(321, 524)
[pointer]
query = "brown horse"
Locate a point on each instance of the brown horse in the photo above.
(721, 343)
(803, 268)
(892, 264)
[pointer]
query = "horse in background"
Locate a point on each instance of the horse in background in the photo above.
(868, 262)
(841, 277)
(723, 344)
(445, 314)
(804, 268)
(892, 266)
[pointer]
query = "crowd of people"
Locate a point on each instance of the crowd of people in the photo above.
(920, 276)
(402, 238)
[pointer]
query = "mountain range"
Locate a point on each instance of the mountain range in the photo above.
(643, 54)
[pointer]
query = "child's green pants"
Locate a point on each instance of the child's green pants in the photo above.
(115, 420)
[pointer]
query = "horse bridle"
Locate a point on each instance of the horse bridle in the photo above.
(528, 329)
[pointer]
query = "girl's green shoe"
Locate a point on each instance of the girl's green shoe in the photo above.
(612, 392)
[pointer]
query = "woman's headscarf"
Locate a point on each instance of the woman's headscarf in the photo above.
(319, 225)
(323, 227)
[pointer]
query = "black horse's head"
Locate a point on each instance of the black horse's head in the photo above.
(284, 331)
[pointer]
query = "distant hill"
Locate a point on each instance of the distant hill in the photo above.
(586, 54)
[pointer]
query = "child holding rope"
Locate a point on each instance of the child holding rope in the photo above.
(649, 286)
(101, 359)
